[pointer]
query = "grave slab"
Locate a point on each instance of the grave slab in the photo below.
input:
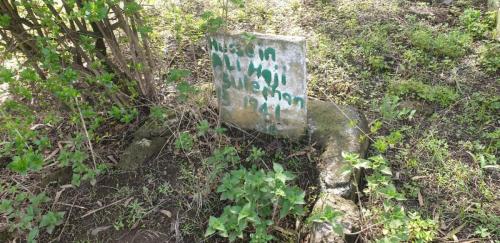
(260, 81)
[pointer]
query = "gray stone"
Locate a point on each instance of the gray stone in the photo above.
(147, 142)
(139, 152)
(493, 171)
(261, 82)
(323, 232)
(335, 133)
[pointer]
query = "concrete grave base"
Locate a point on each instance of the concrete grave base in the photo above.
(331, 128)
(323, 232)
(335, 133)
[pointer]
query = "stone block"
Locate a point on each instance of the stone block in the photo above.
(260, 82)
(335, 133)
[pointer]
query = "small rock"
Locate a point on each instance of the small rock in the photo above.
(323, 232)
(97, 230)
(139, 152)
(147, 142)
(493, 171)
(166, 213)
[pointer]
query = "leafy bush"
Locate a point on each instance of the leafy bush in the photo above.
(490, 57)
(259, 198)
(184, 141)
(328, 215)
(123, 115)
(442, 95)
(452, 44)
(398, 226)
(389, 109)
(24, 213)
(471, 21)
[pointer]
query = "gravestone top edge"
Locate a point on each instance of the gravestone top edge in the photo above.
(239, 34)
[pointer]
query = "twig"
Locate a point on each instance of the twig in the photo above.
(67, 219)
(71, 205)
(86, 134)
(101, 208)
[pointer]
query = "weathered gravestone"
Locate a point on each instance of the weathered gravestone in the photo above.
(261, 82)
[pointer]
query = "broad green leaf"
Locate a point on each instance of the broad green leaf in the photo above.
(278, 168)
(246, 211)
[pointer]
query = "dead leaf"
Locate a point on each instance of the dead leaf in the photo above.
(420, 199)
(418, 177)
(452, 233)
(36, 126)
(58, 195)
(110, 157)
(96, 231)
(128, 201)
(51, 155)
(166, 213)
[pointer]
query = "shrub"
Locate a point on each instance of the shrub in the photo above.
(471, 21)
(259, 198)
(490, 57)
(452, 44)
(442, 95)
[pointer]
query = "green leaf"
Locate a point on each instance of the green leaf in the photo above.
(39, 199)
(131, 8)
(50, 220)
(4, 20)
(246, 211)
(239, 3)
(6, 75)
(386, 170)
(6, 207)
(19, 165)
(176, 75)
(278, 168)
(33, 234)
(215, 224)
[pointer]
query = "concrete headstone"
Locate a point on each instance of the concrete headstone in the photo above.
(261, 81)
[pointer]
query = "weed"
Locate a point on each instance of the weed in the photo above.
(203, 128)
(474, 23)
(256, 154)
(158, 114)
(452, 44)
(442, 95)
(398, 226)
(490, 57)
(24, 213)
(259, 198)
(123, 115)
(165, 189)
(390, 110)
(135, 213)
(382, 143)
(327, 215)
(184, 142)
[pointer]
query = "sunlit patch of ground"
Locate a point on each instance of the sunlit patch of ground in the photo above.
(4, 94)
